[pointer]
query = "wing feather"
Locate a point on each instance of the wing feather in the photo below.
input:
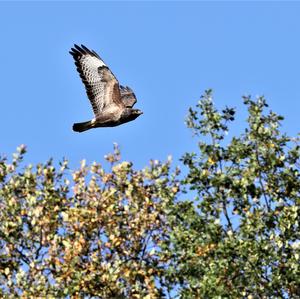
(96, 77)
(127, 96)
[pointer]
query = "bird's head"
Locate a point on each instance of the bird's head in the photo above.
(130, 114)
(137, 112)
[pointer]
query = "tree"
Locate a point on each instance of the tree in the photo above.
(93, 237)
(117, 232)
(240, 236)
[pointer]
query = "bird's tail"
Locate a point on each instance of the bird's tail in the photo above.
(81, 127)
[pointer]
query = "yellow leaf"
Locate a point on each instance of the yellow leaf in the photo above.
(211, 161)
(65, 216)
(126, 272)
(66, 244)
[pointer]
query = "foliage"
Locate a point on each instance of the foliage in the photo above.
(240, 236)
(125, 233)
(95, 236)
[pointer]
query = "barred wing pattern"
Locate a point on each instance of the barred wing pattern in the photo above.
(95, 76)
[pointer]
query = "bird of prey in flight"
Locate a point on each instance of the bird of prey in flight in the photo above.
(112, 103)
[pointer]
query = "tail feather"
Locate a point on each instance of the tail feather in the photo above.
(81, 127)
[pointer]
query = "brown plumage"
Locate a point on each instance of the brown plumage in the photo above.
(112, 103)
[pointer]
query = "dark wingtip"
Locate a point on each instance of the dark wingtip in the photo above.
(96, 54)
(85, 48)
(74, 52)
(77, 47)
(91, 52)
(82, 50)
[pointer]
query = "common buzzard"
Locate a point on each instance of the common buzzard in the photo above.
(112, 103)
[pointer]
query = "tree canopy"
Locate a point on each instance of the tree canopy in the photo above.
(229, 228)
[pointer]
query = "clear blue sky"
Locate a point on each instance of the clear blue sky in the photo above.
(168, 52)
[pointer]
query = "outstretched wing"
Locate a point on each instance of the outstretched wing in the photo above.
(96, 77)
(127, 96)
